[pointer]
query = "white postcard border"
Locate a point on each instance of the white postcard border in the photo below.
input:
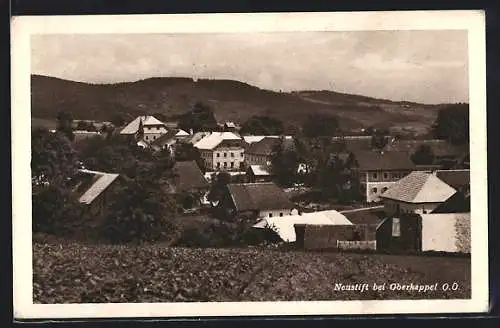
(24, 27)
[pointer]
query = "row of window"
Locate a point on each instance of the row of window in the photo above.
(231, 154)
(271, 214)
(153, 127)
(386, 175)
(153, 138)
(375, 190)
(225, 165)
(398, 209)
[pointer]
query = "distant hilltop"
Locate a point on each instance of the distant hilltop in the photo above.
(231, 101)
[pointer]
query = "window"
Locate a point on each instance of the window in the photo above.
(218, 165)
(225, 164)
(384, 189)
(270, 215)
(281, 214)
(374, 190)
(396, 227)
(225, 154)
(154, 137)
(241, 154)
(232, 154)
(217, 154)
(386, 175)
(147, 138)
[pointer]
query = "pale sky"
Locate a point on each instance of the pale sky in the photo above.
(421, 66)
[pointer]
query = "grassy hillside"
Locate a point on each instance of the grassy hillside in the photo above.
(76, 273)
(231, 100)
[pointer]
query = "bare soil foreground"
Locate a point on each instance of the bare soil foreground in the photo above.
(77, 273)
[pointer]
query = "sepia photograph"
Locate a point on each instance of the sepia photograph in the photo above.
(249, 164)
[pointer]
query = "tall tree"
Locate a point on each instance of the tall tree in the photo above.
(140, 210)
(423, 156)
(53, 164)
(65, 124)
(53, 158)
(201, 117)
(320, 126)
(262, 125)
(185, 151)
(219, 183)
(284, 164)
(379, 138)
(452, 124)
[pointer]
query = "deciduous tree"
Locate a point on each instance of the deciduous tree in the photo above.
(262, 125)
(65, 124)
(452, 124)
(423, 156)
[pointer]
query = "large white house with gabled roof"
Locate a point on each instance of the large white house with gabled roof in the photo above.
(146, 128)
(418, 192)
(222, 151)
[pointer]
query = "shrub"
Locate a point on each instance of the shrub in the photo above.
(57, 212)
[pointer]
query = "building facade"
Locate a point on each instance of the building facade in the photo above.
(147, 128)
(377, 171)
(449, 232)
(260, 200)
(418, 192)
(222, 151)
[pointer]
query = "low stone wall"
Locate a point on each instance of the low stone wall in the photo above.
(365, 244)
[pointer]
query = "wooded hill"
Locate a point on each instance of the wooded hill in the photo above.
(231, 100)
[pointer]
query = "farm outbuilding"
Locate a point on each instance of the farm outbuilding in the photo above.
(327, 237)
(285, 225)
(443, 232)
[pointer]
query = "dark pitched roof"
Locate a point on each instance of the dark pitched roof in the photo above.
(364, 216)
(265, 146)
(387, 160)
(188, 177)
(358, 144)
(458, 203)
(454, 177)
(258, 196)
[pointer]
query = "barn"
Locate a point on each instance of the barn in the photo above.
(438, 232)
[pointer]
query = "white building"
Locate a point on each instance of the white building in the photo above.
(418, 192)
(222, 151)
(285, 226)
(146, 128)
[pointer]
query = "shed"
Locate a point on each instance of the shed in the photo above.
(285, 225)
(448, 232)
